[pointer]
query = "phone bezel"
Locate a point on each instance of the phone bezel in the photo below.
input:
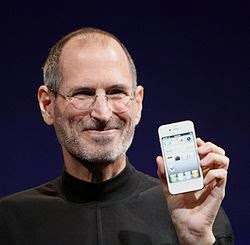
(173, 129)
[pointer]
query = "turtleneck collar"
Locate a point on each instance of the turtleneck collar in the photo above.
(114, 189)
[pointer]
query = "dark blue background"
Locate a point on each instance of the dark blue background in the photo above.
(192, 60)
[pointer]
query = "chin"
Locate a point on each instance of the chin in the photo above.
(107, 158)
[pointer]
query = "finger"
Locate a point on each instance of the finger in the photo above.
(214, 160)
(161, 169)
(162, 175)
(210, 147)
(215, 184)
(217, 177)
(199, 142)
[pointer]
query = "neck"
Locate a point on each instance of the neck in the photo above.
(92, 172)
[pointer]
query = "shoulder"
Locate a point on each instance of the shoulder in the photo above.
(150, 188)
(146, 181)
(35, 194)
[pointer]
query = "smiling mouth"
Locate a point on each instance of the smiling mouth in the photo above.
(106, 132)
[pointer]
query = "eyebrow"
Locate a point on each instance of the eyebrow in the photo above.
(92, 90)
(81, 89)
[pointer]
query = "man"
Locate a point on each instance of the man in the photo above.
(91, 98)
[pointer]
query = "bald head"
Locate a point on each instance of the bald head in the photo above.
(83, 38)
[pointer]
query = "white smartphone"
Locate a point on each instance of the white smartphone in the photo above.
(181, 159)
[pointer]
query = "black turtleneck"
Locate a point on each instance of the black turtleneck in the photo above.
(128, 209)
(114, 189)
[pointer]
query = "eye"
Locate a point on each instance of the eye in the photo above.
(117, 92)
(83, 94)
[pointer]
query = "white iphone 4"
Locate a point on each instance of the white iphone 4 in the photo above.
(181, 159)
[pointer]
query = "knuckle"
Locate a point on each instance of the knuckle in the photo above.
(212, 157)
(227, 160)
(209, 146)
(224, 173)
(222, 151)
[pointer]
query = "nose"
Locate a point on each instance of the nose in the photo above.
(101, 109)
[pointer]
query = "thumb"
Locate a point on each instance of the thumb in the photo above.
(161, 170)
(162, 175)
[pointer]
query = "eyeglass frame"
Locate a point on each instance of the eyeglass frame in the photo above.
(93, 97)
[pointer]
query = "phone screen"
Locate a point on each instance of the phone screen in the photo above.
(181, 157)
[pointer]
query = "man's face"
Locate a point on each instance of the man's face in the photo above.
(99, 134)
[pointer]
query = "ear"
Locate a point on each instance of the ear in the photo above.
(46, 104)
(139, 98)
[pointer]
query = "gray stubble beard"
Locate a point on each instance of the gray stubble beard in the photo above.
(68, 136)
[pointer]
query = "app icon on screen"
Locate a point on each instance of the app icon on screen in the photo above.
(173, 178)
(188, 175)
(177, 158)
(180, 176)
(195, 173)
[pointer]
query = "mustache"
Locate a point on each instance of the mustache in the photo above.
(100, 126)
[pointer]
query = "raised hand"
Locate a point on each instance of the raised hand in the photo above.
(193, 213)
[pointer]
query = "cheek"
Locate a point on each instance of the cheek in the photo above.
(132, 114)
(137, 114)
(68, 112)
(129, 118)
(75, 116)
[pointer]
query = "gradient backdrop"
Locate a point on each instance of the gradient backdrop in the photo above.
(192, 61)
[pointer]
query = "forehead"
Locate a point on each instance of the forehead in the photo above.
(94, 64)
